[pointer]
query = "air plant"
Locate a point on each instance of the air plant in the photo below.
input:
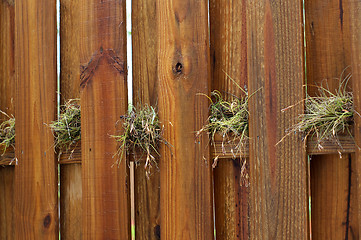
(66, 129)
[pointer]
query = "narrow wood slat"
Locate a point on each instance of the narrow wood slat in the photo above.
(328, 55)
(70, 168)
(278, 173)
(229, 58)
(102, 34)
(183, 73)
(355, 29)
(7, 90)
(145, 62)
(35, 197)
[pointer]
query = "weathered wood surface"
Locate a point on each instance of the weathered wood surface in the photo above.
(183, 72)
(328, 55)
(145, 62)
(102, 32)
(70, 174)
(35, 196)
(355, 29)
(7, 90)
(339, 201)
(278, 173)
(229, 59)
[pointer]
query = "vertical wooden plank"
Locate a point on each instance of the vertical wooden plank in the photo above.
(70, 174)
(338, 201)
(102, 49)
(355, 30)
(145, 62)
(183, 73)
(278, 173)
(229, 56)
(328, 54)
(7, 78)
(35, 203)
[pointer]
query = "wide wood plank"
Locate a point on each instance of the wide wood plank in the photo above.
(328, 55)
(145, 62)
(102, 49)
(278, 173)
(229, 59)
(183, 73)
(70, 174)
(35, 201)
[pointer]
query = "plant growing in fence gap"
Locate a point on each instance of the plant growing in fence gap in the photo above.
(327, 115)
(142, 135)
(66, 129)
(7, 132)
(229, 119)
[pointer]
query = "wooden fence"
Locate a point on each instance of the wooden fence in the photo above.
(180, 49)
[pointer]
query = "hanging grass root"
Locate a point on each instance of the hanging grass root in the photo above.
(142, 134)
(7, 133)
(66, 129)
(327, 115)
(228, 119)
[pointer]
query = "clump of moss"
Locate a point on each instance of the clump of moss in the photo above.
(142, 133)
(67, 129)
(327, 115)
(7, 132)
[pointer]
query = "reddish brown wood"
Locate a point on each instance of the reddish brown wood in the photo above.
(7, 78)
(35, 201)
(145, 65)
(106, 209)
(278, 173)
(328, 55)
(70, 174)
(183, 73)
(355, 22)
(229, 60)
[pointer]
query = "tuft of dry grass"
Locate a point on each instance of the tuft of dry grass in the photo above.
(7, 132)
(66, 129)
(142, 133)
(326, 115)
(228, 119)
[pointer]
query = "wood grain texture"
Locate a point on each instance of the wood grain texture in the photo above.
(229, 57)
(35, 199)
(106, 212)
(7, 87)
(328, 54)
(338, 202)
(145, 62)
(355, 29)
(183, 73)
(70, 174)
(278, 174)
(6, 202)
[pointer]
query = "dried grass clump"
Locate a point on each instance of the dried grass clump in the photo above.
(327, 115)
(142, 134)
(67, 129)
(228, 119)
(7, 132)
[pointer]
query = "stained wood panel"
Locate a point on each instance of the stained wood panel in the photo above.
(229, 60)
(328, 56)
(278, 173)
(7, 91)
(183, 73)
(35, 200)
(102, 54)
(70, 174)
(145, 65)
